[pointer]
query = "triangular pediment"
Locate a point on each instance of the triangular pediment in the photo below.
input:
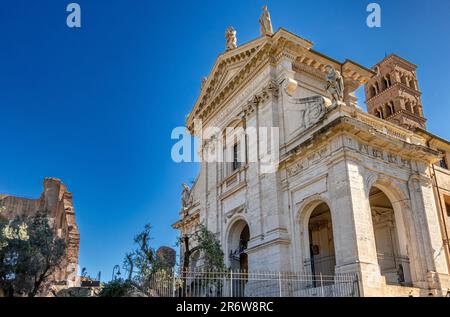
(227, 66)
(225, 78)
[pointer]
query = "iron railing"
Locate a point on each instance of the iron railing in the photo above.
(320, 265)
(201, 283)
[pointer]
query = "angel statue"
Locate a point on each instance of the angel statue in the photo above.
(230, 36)
(335, 85)
(265, 23)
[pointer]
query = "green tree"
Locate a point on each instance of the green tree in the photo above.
(30, 253)
(143, 262)
(116, 288)
(208, 245)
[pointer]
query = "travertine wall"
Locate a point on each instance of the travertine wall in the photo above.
(328, 154)
(57, 201)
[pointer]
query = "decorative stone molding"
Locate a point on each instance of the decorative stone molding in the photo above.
(309, 160)
(389, 128)
(235, 211)
(388, 157)
(253, 55)
(270, 91)
(312, 109)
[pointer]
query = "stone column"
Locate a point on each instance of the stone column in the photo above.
(350, 87)
(352, 225)
(426, 218)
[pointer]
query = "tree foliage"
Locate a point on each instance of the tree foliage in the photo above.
(143, 261)
(30, 253)
(116, 288)
(140, 264)
(208, 245)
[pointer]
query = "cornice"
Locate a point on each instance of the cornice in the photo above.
(402, 88)
(399, 61)
(267, 50)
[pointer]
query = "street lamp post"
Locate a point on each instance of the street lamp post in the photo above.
(114, 274)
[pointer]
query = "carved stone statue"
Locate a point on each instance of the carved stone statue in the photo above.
(265, 23)
(335, 84)
(186, 196)
(230, 36)
(204, 80)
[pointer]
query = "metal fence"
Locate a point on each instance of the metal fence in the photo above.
(321, 265)
(201, 283)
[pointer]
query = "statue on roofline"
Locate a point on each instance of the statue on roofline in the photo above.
(203, 82)
(185, 196)
(230, 36)
(335, 84)
(265, 22)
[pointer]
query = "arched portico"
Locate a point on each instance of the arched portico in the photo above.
(317, 237)
(391, 232)
(238, 237)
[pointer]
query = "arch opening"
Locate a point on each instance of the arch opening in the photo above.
(390, 239)
(322, 259)
(238, 239)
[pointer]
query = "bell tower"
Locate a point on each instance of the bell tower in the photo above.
(393, 93)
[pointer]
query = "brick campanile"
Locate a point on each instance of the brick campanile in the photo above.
(393, 94)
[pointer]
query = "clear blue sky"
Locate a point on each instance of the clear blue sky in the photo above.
(96, 106)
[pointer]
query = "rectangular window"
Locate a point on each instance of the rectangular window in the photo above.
(236, 157)
(447, 207)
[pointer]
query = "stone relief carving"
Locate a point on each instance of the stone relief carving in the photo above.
(362, 148)
(235, 211)
(311, 109)
(265, 22)
(311, 159)
(335, 85)
(385, 156)
(231, 41)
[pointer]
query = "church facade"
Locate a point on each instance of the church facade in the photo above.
(351, 192)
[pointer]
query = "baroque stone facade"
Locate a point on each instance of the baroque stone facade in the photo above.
(352, 193)
(57, 201)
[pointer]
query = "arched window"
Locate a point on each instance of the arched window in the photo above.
(377, 86)
(372, 92)
(408, 106)
(403, 80)
(391, 107)
(388, 110)
(383, 84)
(388, 80)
